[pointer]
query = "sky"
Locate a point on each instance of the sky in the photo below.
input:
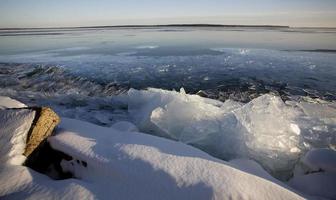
(67, 13)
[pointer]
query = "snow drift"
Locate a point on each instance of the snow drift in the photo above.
(14, 127)
(131, 165)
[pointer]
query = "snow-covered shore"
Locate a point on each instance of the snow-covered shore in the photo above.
(120, 162)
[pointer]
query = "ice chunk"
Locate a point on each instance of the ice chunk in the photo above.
(230, 105)
(202, 125)
(142, 103)
(188, 118)
(318, 124)
(295, 128)
(179, 119)
(265, 129)
(325, 112)
(273, 137)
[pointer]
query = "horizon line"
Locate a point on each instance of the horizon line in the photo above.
(153, 25)
(165, 25)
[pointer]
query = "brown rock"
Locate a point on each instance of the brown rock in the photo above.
(44, 123)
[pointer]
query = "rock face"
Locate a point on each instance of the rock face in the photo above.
(40, 156)
(43, 125)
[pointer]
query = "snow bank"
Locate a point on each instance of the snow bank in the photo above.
(319, 160)
(316, 184)
(252, 167)
(265, 129)
(24, 183)
(131, 165)
(14, 127)
(315, 174)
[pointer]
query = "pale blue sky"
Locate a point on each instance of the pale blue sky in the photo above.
(56, 13)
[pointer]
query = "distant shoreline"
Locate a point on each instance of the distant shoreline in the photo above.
(156, 26)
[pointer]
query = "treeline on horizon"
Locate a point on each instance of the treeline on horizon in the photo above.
(158, 25)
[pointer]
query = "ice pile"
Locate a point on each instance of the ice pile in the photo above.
(122, 163)
(266, 129)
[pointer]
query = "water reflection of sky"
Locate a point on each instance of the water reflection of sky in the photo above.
(118, 40)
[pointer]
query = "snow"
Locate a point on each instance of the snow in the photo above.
(133, 165)
(321, 184)
(125, 126)
(119, 163)
(123, 163)
(252, 167)
(320, 159)
(14, 127)
(24, 183)
(7, 102)
(315, 174)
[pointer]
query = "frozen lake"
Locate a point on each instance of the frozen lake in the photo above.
(222, 61)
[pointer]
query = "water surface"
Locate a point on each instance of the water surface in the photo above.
(240, 63)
